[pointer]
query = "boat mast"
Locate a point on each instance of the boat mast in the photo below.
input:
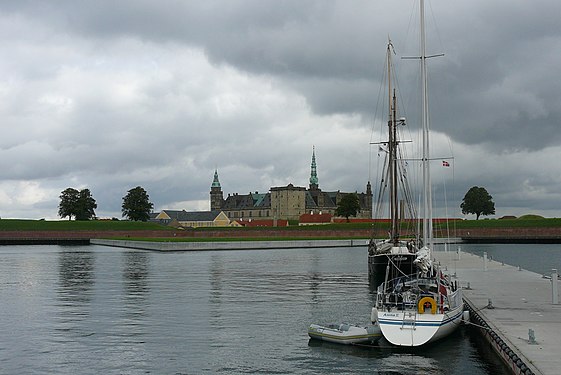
(392, 149)
(427, 193)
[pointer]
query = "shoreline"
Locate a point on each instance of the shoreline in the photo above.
(229, 245)
(70, 237)
(237, 245)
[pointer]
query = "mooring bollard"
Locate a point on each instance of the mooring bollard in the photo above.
(554, 287)
(485, 267)
(531, 337)
(459, 252)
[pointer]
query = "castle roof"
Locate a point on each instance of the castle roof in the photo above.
(189, 215)
(314, 174)
(215, 182)
(259, 199)
(237, 201)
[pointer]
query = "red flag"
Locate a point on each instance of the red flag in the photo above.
(445, 163)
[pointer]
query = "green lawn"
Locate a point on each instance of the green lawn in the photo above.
(62, 225)
(109, 225)
(506, 223)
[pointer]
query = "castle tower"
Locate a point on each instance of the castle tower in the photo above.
(216, 196)
(314, 182)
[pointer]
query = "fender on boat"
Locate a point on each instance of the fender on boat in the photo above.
(374, 315)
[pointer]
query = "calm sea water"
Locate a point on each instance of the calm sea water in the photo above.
(536, 258)
(101, 310)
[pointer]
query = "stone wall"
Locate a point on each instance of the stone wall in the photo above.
(552, 234)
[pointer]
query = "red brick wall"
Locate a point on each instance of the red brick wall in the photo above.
(483, 233)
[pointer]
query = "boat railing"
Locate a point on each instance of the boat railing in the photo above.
(391, 286)
(395, 301)
(406, 292)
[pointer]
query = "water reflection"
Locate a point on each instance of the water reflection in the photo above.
(216, 274)
(135, 277)
(218, 318)
(76, 275)
(314, 275)
(131, 320)
(451, 356)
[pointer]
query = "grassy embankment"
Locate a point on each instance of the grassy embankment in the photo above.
(134, 230)
(253, 234)
(522, 222)
(266, 233)
(72, 225)
(527, 221)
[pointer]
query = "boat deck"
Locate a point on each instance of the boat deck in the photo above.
(509, 303)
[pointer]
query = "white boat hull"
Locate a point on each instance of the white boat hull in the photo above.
(345, 333)
(410, 328)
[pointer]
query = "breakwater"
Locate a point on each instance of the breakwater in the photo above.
(61, 237)
(472, 235)
(228, 245)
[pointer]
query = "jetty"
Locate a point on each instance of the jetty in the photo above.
(227, 245)
(517, 311)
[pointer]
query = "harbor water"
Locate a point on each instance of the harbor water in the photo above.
(540, 259)
(94, 309)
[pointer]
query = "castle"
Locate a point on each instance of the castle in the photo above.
(285, 202)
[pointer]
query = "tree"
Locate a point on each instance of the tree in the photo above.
(478, 201)
(136, 205)
(85, 206)
(68, 200)
(79, 204)
(348, 206)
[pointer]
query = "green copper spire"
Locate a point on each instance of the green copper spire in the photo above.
(314, 174)
(215, 182)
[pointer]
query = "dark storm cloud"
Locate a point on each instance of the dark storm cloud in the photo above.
(301, 41)
(117, 94)
(495, 82)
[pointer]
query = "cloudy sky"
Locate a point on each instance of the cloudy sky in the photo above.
(110, 95)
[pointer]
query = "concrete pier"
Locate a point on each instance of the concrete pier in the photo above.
(514, 308)
(228, 245)
(234, 245)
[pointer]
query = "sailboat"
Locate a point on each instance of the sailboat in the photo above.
(394, 256)
(425, 306)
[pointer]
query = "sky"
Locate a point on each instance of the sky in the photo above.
(112, 95)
